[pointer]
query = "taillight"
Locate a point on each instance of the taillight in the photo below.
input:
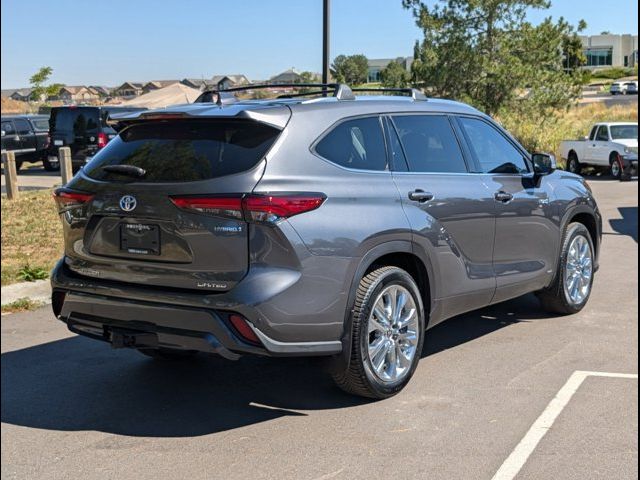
(243, 329)
(222, 206)
(102, 140)
(271, 208)
(67, 199)
(253, 208)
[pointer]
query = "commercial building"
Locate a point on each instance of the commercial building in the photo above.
(376, 65)
(605, 51)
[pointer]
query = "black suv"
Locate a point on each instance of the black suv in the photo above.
(82, 128)
(27, 137)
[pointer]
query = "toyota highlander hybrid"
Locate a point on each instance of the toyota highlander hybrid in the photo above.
(328, 224)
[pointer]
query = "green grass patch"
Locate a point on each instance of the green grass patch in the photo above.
(31, 237)
(21, 305)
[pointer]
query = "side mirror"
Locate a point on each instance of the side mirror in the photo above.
(586, 138)
(3, 133)
(543, 164)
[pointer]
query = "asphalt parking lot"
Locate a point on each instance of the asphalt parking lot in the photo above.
(489, 384)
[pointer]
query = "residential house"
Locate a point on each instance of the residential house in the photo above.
(101, 91)
(288, 76)
(198, 83)
(157, 84)
(21, 94)
(77, 94)
(7, 93)
(228, 81)
(128, 90)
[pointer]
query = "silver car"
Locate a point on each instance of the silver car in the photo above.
(327, 224)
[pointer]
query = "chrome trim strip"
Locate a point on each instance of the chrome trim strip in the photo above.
(296, 347)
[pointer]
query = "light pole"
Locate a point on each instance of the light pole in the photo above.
(325, 41)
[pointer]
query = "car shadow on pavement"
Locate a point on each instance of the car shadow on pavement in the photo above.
(80, 384)
(472, 325)
(628, 224)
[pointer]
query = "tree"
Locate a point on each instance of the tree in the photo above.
(39, 90)
(395, 75)
(486, 53)
(307, 77)
(350, 69)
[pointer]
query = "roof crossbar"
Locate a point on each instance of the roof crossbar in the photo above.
(337, 90)
(414, 93)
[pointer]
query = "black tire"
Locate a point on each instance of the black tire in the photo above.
(167, 353)
(573, 164)
(554, 299)
(615, 166)
(50, 167)
(358, 378)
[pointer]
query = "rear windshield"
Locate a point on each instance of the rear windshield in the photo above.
(185, 150)
(623, 131)
(76, 120)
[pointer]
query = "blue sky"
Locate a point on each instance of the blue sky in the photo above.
(109, 42)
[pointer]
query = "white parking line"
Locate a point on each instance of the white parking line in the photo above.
(512, 465)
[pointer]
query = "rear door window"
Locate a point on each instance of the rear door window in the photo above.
(185, 150)
(356, 143)
(429, 144)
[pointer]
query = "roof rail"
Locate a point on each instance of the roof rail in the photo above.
(338, 90)
(413, 92)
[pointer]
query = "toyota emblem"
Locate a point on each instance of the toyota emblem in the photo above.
(128, 203)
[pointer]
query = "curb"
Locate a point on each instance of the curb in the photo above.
(38, 291)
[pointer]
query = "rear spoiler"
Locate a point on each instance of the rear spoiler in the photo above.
(275, 116)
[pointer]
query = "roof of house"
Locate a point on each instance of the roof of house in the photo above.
(135, 85)
(161, 83)
(22, 91)
(7, 92)
(235, 78)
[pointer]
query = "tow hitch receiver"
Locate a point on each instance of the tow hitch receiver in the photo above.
(132, 339)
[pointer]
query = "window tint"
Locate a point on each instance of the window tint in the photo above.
(493, 152)
(7, 126)
(624, 131)
(183, 151)
(76, 120)
(356, 144)
(429, 144)
(41, 124)
(603, 135)
(22, 126)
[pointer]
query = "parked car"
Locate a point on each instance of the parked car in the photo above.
(618, 88)
(342, 227)
(631, 88)
(611, 145)
(26, 136)
(82, 128)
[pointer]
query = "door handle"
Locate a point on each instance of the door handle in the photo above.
(503, 197)
(420, 196)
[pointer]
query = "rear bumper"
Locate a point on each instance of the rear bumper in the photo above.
(181, 320)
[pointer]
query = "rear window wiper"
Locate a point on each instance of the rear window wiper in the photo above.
(130, 170)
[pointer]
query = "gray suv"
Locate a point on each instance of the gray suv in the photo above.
(321, 225)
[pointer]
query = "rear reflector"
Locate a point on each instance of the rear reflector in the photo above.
(253, 208)
(70, 199)
(243, 329)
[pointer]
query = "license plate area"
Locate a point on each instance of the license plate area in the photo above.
(140, 238)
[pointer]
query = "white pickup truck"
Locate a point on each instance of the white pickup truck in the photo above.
(612, 146)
